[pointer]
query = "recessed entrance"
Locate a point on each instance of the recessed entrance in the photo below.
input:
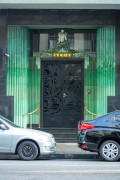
(62, 93)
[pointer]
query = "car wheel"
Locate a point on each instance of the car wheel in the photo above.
(110, 150)
(27, 150)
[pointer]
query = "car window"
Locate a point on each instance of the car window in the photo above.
(1, 123)
(110, 119)
(117, 118)
(8, 121)
(113, 119)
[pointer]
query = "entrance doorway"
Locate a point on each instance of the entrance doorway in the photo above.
(62, 93)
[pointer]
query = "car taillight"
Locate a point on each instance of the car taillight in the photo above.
(85, 126)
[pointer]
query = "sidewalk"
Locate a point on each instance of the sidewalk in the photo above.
(63, 151)
(72, 151)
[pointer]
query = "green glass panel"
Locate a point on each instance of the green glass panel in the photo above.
(34, 90)
(89, 87)
(99, 73)
(23, 77)
(17, 72)
(105, 67)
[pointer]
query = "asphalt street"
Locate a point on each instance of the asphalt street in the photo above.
(54, 169)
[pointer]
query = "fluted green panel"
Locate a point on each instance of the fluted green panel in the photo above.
(89, 86)
(34, 90)
(18, 47)
(105, 67)
(17, 72)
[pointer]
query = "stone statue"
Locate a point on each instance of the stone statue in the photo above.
(62, 36)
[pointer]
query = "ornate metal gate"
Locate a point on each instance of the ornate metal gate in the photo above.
(62, 95)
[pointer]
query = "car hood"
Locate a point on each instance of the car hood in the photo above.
(30, 132)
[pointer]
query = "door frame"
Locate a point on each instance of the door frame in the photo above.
(78, 59)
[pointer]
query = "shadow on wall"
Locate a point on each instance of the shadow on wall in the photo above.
(7, 107)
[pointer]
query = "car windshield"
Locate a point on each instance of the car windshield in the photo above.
(8, 121)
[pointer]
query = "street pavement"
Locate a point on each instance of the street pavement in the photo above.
(57, 169)
(72, 151)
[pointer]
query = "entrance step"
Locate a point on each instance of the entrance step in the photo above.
(62, 135)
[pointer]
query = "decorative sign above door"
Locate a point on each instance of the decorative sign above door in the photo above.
(62, 49)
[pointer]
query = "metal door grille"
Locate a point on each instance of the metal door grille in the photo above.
(62, 93)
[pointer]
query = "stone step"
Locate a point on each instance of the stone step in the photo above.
(66, 140)
(59, 130)
(65, 135)
(61, 135)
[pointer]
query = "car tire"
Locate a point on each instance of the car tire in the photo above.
(27, 150)
(109, 151)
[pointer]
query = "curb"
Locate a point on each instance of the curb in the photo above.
(55, 156)
(75, 156)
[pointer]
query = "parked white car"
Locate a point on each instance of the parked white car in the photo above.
(27, 143)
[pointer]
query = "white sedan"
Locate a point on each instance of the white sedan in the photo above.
(27, 143)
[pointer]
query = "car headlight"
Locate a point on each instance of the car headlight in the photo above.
(45, 138)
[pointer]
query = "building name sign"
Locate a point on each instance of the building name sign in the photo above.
(61, 55)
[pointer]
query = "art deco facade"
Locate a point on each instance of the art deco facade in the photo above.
(45, 82)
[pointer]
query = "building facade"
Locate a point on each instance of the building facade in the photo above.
(59, 62)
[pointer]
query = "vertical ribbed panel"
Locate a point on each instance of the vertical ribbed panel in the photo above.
(90, 86)
(17, 71)
(18, 47)
(34, 90)
(105, 67)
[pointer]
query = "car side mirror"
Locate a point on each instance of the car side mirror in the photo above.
(3, 126)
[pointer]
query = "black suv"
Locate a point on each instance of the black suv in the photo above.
(101, 135)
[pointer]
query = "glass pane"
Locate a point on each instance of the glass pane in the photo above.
(85, 41)
(35, 42)
(43, 46)
(79, 41)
